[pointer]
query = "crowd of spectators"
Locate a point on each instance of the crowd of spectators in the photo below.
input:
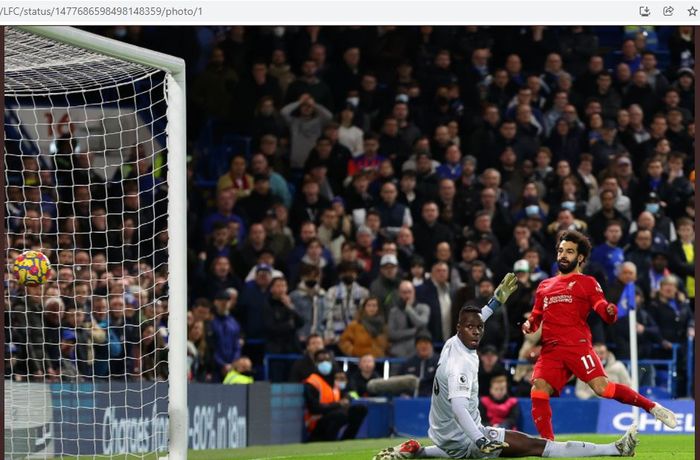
(397, 173)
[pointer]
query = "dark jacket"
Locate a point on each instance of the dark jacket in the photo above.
(424, 369)
(427, 293)
(281, 324)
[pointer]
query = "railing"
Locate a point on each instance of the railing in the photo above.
(346, 360)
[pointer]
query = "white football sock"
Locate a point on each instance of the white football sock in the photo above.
(432, 452)
(570, 449)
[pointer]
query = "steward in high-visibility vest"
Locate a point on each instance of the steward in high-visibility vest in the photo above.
(236, 378)
(327, 395)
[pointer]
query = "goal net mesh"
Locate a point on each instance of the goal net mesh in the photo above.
(85, 166)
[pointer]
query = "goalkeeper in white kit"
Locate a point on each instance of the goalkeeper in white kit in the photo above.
(455, 422)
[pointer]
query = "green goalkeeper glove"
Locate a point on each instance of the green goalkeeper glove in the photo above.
(506, 288)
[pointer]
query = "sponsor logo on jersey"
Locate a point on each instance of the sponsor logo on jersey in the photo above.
(564, 298)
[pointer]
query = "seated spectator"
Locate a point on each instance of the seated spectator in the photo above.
(225, 334)
(359, 377)
(639, 251)
(498, 408)
(367, 333)
(343, 301)
(615, 370)
(489, 367)
(325, 411)
(407, 318)
(305, 119)
(305, 366)
(68, 364)
(422, 364)
(241, 372)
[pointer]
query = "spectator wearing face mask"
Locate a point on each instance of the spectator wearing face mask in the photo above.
(309, 300)
(326, 409)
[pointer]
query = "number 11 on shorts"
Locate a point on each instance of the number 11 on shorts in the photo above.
(588, 362)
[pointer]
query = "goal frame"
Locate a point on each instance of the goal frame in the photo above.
(177, 211)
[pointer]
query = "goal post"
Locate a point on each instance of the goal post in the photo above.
(41, 75)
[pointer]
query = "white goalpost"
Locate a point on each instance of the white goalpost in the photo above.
(95, 361)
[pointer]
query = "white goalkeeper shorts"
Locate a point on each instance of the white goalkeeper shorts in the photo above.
(466, 448)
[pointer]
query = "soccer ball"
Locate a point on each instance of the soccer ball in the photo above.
(31, 268)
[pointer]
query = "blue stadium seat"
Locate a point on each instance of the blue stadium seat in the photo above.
(568, 392)
(655, 392)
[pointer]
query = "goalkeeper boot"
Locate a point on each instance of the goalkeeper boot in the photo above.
(406, 449)
(628, 443)
(666, 416)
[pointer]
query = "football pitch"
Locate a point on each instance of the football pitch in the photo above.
(651, 447)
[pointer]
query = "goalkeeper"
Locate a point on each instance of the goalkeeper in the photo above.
(455, 422)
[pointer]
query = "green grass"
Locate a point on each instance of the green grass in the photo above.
(678, 447)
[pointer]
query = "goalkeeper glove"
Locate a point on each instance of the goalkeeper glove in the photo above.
(487, 446)
(506, 288)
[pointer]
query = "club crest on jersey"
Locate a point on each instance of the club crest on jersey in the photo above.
(571, 285)
(598, 288)
(462, 379)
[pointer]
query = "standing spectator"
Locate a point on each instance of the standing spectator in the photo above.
(343, 301)
(682, 255)
(407, 319)
(236, 178)
(225, 203)
(281, 324)
(498, 408)
(366, 334)
(435, 293)
(386, 285)
(428, 232)
(639, 252)
(600, 220)
(254, 302)
(349, 134)
(393, 214)
(422, 364)
(305, 119)
(309, 300)
(213, 89)
(224, 334)
(489, 367)
(608, 255)
(309, 83)
(198, 352)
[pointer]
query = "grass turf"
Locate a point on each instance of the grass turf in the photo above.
(678, 447)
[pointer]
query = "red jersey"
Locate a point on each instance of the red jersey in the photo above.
(562, 305)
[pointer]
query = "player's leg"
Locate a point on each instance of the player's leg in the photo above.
(626, 395)
(541, 409)
(522, 445)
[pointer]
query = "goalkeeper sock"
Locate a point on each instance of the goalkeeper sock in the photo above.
(626, 395)
(542, 413)
(431, 452)
(578, 449)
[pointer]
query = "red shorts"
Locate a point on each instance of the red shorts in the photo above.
(558, 363)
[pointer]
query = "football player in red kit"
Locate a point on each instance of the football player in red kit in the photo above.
(562, 305)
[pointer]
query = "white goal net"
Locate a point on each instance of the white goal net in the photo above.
(88, 150)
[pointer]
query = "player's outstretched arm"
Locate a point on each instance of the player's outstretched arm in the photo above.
(508, 285)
